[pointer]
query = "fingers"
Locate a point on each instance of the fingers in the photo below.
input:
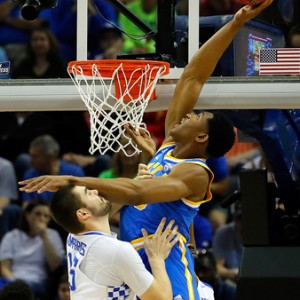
(173, 237)
(143, 172)
(258, 8)
(248, 12)
(145, 233)
(265, 4)
(160, 226)
(162, 241)
(144, 133)
(26, 181)
(143, 169)
(168, 229)
(143, 177)
(168, 234)
(30, 184)
(130, 129)
(40, 184)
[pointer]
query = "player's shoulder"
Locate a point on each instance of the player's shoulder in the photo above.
(195, 167)
(205, 290)
(205, 285)
(112, 244)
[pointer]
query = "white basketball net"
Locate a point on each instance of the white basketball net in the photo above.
(108, 113)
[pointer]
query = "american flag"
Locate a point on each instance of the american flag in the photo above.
(280, 61)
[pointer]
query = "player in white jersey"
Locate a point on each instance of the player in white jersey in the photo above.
(100, 266)
(206, 292)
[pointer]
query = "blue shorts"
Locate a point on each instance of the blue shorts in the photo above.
(180, 268)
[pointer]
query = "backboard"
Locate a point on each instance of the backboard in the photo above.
(230, 89)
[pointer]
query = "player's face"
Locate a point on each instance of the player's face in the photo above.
(191, 126)
(95, 203)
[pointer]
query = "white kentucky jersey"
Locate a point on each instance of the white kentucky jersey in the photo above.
(96, 269)
(206, 292)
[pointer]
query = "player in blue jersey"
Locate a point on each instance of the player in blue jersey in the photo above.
(181, 180)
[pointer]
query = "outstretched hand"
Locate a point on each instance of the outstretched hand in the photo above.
(142, 139)
(162, 241)
(248, 12)
(143, 172)
(44, 183)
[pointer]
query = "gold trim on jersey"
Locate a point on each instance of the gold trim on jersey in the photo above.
(187, 273)
(155, 166)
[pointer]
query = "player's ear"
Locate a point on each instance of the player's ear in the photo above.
(82, 214)
(202, 138)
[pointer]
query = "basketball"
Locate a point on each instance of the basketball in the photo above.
(250, 2)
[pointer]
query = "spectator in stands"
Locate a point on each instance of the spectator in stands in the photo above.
(293, 37)
(63, 24)
(227, 248)
(136, 42)
(16, 290)
(8, 184)
(42, 58)
(18, 129)
(31, 250)
(14, 30)
(217, 218)
(8, 195)
(63, 292)
(92, 165)
(110, 42)
(44, 153)
(206, 270)
(203, 232)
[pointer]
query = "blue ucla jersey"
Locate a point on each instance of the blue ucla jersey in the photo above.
(148, 216)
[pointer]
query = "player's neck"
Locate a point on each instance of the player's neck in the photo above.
(98, 224)
(186, 151)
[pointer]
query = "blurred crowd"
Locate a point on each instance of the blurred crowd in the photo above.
(57, 143)
(26, 222)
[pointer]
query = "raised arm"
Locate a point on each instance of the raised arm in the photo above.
(202, 65)
(184, 181)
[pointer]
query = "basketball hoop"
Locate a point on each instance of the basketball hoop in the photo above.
(116, 92)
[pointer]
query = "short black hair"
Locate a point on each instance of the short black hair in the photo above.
(63, 206)
(221, 135)
(16, 290)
